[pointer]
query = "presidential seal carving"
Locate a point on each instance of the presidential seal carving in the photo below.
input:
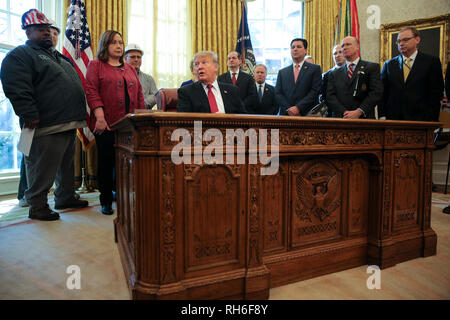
(317, 191)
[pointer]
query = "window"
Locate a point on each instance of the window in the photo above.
(272, 25)
(11, 35)
(165, 55)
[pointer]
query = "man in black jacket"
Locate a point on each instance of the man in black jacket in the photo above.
(354, 89)
(413, 83)
(298, 85)
(239, 78)
(207, 95)
(46, 93)
(264, 101)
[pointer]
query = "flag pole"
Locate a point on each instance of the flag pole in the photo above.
(242, 31)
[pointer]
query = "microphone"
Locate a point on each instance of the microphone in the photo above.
(357, 81)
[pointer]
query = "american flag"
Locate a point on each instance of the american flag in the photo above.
(77, 47)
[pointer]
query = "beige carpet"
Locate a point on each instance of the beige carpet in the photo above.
(35, 256)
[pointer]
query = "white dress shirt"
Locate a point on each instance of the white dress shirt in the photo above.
(300, 65)
(216, 91)
(355, 62)
(412, 57)
(236, 75)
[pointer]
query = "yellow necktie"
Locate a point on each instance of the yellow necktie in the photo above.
(406, 69)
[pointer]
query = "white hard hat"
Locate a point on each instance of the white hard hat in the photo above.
(54, 26)
(133, 47)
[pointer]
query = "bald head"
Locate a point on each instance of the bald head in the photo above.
(350, 48)
(338, 57)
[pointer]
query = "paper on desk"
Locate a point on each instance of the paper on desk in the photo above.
(26, 138)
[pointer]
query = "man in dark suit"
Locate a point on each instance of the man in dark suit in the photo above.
(413, 83)
(339, 61)
(264, 101)
(354, 89)
(239, 78)
(208, 95)
(298, 85)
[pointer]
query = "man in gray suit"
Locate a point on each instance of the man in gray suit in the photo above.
(298, 85)
(354, 89)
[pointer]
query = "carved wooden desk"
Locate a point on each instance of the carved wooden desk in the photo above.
(347, 193)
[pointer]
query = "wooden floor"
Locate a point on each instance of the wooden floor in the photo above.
(35, 257)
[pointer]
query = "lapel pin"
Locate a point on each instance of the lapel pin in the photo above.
(225, 91)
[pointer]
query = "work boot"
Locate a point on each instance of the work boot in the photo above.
(43, 213)
(73, 203)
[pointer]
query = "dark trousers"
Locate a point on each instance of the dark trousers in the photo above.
(106, 162)
(50, 161)
(23, 184)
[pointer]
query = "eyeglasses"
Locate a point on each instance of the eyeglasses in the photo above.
(404, 40)
(135, 57)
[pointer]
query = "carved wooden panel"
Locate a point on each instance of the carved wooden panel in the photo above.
(407, 188)
(126, 206)
(168, 271)
(387, 197)
(199, 231)
(211, 216)
(274, 195)
(316, 187)
(147, 138)
(358, 197)
(329, 137)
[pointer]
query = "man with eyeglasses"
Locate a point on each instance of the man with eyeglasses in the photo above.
(133, 56)
(413, 83)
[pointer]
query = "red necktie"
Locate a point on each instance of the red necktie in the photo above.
(234, 79)
(212, 100)
(296, 72)
(350, 70)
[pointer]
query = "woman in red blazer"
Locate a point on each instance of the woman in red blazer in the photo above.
(112, 90)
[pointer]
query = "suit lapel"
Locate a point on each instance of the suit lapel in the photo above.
(303, 71)
(239, 78)
(202, 96)
(359, 68)
(343, 75)
(225, 99)
(415, 67)
(290, 74)
(398, 69)
(228, 77)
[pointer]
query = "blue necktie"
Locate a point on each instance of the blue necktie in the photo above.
(260, 94)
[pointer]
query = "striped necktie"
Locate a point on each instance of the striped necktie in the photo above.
(350, 70)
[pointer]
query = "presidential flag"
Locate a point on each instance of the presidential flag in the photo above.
(77, 47)
(244, 44)
(347, 21)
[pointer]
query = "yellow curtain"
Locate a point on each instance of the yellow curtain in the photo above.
(214, 26)
(105, 15)
(320, 24)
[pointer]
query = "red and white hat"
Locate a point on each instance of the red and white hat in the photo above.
(34, 17)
